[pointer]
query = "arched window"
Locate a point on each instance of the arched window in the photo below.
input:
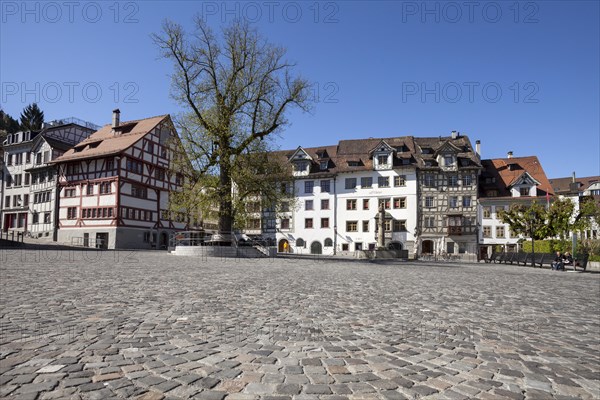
(299, 242)
(328, 242)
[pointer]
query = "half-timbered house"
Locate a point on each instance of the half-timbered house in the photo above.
(114, 186)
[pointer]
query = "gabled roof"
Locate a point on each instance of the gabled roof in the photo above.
(300, 154)
(503, 176)
(111, 141)
(524, 177)
(563, 185)
(381, 146)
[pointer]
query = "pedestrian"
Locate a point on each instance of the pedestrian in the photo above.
(567, 259)
(557, 264)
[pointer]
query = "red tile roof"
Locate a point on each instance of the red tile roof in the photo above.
(506, 171)
(112, 141)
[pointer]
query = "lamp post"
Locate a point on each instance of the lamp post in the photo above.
(531, 218)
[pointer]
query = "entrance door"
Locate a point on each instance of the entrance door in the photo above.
(164, 240)
(316, 248)
(283, 246)
(86, 240)
(102, 240)
(427, 247)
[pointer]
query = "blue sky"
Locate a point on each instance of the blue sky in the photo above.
(521, 77)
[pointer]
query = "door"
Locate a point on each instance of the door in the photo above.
(427, 247)
(86, 240)
(316, 248)
(164, 240)
(283, 246)
(102, 240)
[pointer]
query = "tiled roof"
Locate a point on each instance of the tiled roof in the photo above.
(112, 141)
(562, 185)
(356, 154)
(506, 171)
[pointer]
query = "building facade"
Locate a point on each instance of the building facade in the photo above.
(505, 182)
(448, 175)
(427, 187)
(29, 184)
(114, 186)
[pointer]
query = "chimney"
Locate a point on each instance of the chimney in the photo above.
(509, 154)
(116, 117)
(573, 179)
(478, 147)
(454, 134)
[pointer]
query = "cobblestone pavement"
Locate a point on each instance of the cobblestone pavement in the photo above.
(150, 325)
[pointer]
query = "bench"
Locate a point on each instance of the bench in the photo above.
(581, 262)
(491, 258)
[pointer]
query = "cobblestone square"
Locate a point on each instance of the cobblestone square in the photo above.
(150, 325)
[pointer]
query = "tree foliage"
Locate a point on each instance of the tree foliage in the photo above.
(32, 118)
(7, 124)
(559, 220)
(236, 90)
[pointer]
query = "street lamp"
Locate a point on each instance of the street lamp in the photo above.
(531, 218)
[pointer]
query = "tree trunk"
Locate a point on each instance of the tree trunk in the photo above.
(225, 200)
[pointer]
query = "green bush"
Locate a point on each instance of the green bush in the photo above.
(548, 246)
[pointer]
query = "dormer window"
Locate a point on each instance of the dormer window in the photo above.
(323, 165)
(448, 160)
(382, 160)
(524, 191)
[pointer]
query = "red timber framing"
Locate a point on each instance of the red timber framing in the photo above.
(153, 176)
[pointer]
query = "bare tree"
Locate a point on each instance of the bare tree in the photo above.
(236, 91)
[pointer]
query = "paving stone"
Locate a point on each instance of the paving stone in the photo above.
(317, 389)
(301, 324)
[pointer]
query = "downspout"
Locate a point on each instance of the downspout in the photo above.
(334, 217)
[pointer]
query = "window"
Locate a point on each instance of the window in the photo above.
(27, 157)
(285, 206)
(325, 186)
(150, 147)
(453, 181)
(253, 207)
(524, 191)
(9, 158)
(351, 204)
(365, 226)
(27, 179)
(400, 180)
(345, 246)
(159, 174)
(308, 223)
(487, 231)
(47, 218)
(110, 164)
(8, 181)
(500, 232)
(178, 179)
(105, 188)
(387, 226)
(487, 212)
(285, 223)
(466, 201)
(25, 200)
(399, 202)
(7, 201)
(134, 166)
(254, 223)
(467, 180)
(399, 225)
(429, 203)
(36, 218)
(300, 242)
(323, 165)
(385, 202)
(301, 166)
(71, 212)
(429, 222)
(308, 204)
(324, 222)
(453, 201)
(139, 191)
(382, 160)
(429, 180)
(325, 204)
(46, 156)
(18, 180)
(448, 160)
(328, 242)
(383, 181)
(308, 186)
(366, 183)
(90, 189)
(350, 183)
(38, 158)
(365, 204)
(70, 192)
(351, 226)
(450, 247)
(72, 169)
